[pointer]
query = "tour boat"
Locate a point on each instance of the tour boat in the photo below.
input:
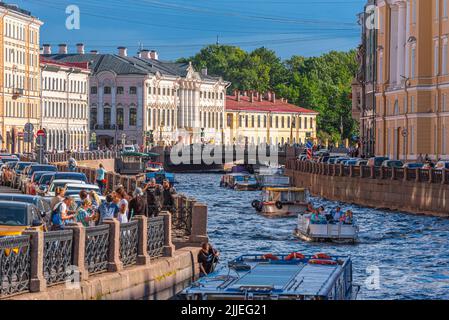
(239, 181)
(282, 202)
(333, 232)
(154, 166)
(282, 277)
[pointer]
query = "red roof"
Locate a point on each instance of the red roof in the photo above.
(263, 106)
(80, 65)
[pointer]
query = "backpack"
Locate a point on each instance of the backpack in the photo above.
(56, 215)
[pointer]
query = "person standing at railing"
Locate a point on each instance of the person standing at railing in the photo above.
(122, 204)
(138, 204)
(108, 209)
(100, 177)
(60, 214)
(168, 201)
(153, 192)
(72, 164)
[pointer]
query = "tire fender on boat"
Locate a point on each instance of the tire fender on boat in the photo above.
(279, 205)
(323, 256)
(295, 255)
(269, 256)
(322, 262)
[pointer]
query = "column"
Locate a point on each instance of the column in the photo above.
(113, 106)
(401, 41)
(407, 36)
(100, 108)
(182, 106)
(393, 44)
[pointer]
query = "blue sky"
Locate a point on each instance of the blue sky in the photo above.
(180, 28)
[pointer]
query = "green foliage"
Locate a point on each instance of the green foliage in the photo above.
(320, 83)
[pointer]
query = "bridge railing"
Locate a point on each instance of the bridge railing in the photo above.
(58, 256)
(82, 156)
(419, 175)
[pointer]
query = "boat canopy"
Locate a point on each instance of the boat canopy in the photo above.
(285, 189)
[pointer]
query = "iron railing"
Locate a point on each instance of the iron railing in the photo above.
(128, 242)
(57, 256)
(97, 249)
(182, 217)
(15, 265)
(156, 236)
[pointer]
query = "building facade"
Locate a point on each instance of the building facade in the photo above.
(254, 118)
(19, 76)
(412, 111)
(65, 106)
(131, 97)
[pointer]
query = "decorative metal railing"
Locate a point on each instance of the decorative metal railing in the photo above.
(156, 236)
(15, 265)
(57, 256)
(182, 216)
(97, 249)
(128, 243)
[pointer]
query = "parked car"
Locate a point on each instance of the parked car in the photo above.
(7, 173)
(442, 165)
(44, 182)
(350, 163)
(16, 217)
(362, 162)
(70, 176)
(29, 171)
(129, 148)
(428, 165)
(32, 186)
(392, 164)
(18, 170)
(414, 165)
(50, 192)
(39, 202)
(377, 161)
(341, 159)
(73, 190)
(332, 160)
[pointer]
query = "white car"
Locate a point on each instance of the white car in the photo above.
(73, 190)
(50, 192)
(129, 148)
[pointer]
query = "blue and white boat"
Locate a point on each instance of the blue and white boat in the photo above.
(160, 176)
(283, 277)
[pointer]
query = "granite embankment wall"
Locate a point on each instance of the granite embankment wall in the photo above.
(413, 191)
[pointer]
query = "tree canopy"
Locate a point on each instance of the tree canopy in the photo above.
(319, 83)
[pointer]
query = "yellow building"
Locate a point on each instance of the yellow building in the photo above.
(19, 76)
(254, 118)
(412, 106)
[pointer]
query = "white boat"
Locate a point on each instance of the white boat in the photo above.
(335, 232)
(282, 202)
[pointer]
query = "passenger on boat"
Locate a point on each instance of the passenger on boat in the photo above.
(310, 208)
(319, 216)
(336, 214)
(207, 258)
(347, 218)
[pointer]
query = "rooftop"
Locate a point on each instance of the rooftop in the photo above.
(262, 103)
(78, 65)
(14, 7)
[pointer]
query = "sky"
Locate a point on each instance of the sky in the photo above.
(180, 28)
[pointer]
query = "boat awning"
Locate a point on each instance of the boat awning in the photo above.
(285, 189)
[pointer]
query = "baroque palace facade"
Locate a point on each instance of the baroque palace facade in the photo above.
(412, 79)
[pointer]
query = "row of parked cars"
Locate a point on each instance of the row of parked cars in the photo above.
(322, 157)
(37, 184)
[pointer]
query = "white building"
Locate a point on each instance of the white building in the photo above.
(65, 106)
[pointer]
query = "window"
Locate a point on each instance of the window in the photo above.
(412, 104)
(132, 90)
(443, 141)
(120, 118)
(300, 123)
(396, 107)
(93, 118)
(305, 123)
(443, 104)
(133, 117)
(93, 90)
(435, 58)
(444, 57)
(120, 90)
(412, 140)
(107, 90)
(277, 122)
(107, 117)
(311, 123)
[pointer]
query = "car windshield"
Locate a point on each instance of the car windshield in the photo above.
(42, 168)
(76, 190)
(11, 215)
(45, 179)
(57, 184)
(22, 165)
(70, 176)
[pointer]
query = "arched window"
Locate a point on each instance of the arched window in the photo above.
(132, 117)
(120, 118)
(107, 117)
(93, 117)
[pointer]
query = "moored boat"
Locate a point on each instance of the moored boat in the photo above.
(160, 176)
(239, 181)
(152, 166)
(282, 202)
(282, 277)
(330, 231)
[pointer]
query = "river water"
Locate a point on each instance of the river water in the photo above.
(410, 254)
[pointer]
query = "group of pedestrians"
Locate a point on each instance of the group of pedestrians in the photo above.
(320, 216)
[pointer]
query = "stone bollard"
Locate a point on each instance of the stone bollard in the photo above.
(143, 257)
(37, 279)
(393, 173)
(79, 249)
(114, 263)
(199, 223)
(373, 172)
(417, 178)
(169, 248)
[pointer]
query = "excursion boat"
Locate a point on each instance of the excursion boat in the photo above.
(160, 176)
(239, 181)
(333, 232)
(154, 166)
(283, 277)
(282, 202)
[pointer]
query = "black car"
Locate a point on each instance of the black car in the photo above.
(16, 217)
(42, 205)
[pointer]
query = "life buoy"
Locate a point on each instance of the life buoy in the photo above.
(295, 255)
(279, 205)
(323, 262)
(322, 256)
(269, 256)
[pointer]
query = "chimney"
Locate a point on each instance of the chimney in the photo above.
(94, 51)
(122, 51)
(47, 49)
(273, 97)
(62, 48)
(204, 71)
(80, 48)
(145, 54)
(238, 96)
(154, 55)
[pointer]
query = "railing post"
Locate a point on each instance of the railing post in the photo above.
(199, 223)
(443, 177)
(114, 263)
(341, 170)
(143, 258)
(381, 173)
(373, 172)
(418, 173)
(431, 175)
(393, 173)
(169, 248)
(351, 171)
(405, 174)
(79, 249)
(37, 279)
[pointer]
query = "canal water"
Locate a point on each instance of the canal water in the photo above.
(410, 254)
